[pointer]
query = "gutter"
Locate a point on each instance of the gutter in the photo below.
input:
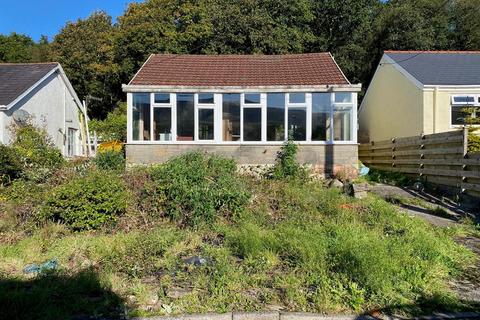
(230, 89)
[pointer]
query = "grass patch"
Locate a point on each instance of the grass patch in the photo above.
(294, 244)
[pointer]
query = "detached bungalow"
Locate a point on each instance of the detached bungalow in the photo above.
(415, 92)
(244, 107)
(41, 93)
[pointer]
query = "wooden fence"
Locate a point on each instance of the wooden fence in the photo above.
(439, 158)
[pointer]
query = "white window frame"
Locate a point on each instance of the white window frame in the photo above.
(154, 105)
(453, 103)
(217, 108)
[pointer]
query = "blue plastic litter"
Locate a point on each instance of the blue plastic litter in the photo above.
(363, 170)
(38, 268)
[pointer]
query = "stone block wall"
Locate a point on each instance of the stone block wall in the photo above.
(325, 159)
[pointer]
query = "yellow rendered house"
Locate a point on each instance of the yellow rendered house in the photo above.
(415, 92)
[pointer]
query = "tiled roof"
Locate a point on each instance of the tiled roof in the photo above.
(16, 78)
(440, 67)
(240, 70)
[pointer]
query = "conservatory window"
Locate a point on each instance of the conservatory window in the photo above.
(252, 124)
(141, 116)
(252, 98)
(206, 98)
(231, 117)
(162, 124)
(275, 117)
(297, 123)
(205, 124)
(296, 97)
(162, 98)
(321, 117)
(185, 117)
(342, 123)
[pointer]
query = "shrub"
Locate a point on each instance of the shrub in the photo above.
(87, 202)
(38, 154)
(10, 165)
(196, 186)
(110, 160)
(114, 127)
(286, 165)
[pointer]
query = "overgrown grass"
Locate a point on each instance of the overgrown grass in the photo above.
(296, 245)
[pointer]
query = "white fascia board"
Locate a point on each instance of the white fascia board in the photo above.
(229, 89)
(71, 89)
(407, 74)
(3, 107)
(26, 92)
(453, 87)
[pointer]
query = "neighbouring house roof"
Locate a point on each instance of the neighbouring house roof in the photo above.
(17, 78)
(240, 70)
(440, 67)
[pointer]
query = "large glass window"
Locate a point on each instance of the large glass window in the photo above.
(321, 116)
(231, 117)
(205, 124)
(275, 116)
(141, 116)
(162, 124)
(342, 124)
(297, 123)
(252, 124)
(185, 117)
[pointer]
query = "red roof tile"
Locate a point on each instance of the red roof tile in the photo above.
(240, 70)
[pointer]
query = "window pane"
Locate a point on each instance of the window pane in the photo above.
(460, 114)
(321, 116)
(275, 117)
(252, 124)
(205, 124)
(206, 98)
(464, 99)
(231, 117)
(297, 98)
(297, 124)
(162, 124)
(162, 97)
(185, 117)
(342, 130)
(343, 97)
(252, 98)
(141, 116)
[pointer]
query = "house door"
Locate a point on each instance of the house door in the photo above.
(71, 139)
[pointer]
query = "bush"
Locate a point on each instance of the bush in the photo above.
(87, 202)
(110, 160)
(10, 165)
(114, 127)
(196, 186)
(286, 165)
(37, 153)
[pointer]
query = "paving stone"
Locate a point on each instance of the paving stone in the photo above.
(266, 315)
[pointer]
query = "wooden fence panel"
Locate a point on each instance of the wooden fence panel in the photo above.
(439, 158)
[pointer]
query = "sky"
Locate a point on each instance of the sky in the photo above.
(47, 17)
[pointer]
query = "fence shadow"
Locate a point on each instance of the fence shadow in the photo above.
(58, 296)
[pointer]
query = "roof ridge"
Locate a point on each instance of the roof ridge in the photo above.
(27, 63)
(243, 54)
(434, 51)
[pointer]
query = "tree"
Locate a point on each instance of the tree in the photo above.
(85, 49)
(16, 48)
(465, 25)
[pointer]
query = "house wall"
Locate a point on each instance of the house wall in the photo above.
(328, 157)
(52, 107)
(392, 106)
(437, 108)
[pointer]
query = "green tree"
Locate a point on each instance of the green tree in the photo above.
(16, 48)
(85, 49)
(465, 25)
